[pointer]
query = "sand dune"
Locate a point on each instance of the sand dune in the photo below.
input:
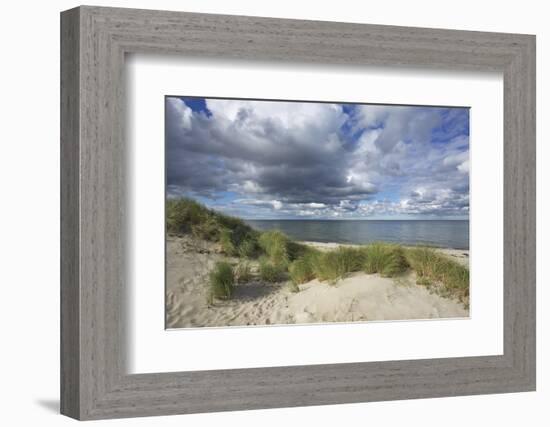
(358, 297)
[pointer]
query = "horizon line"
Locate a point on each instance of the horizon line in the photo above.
(354, 219)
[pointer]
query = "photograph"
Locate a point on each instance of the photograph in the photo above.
(294, 212)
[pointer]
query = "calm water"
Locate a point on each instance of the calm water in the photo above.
(447, 234)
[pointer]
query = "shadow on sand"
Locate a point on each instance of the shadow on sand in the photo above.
(254, 290)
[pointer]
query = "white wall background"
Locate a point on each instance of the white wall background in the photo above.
(29, 224)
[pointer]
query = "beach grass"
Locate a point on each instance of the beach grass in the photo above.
(386, 259)
(440, 274)
(280, 258)
(186, 216)
(270, 271)
(221, 281)
(336, 264)
(274, 244)
(242, 272)
(226, 242)
(248, 248)
(301, 270)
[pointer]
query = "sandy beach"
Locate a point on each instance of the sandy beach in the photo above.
(357, 297)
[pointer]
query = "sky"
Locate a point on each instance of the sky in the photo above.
(302, 160)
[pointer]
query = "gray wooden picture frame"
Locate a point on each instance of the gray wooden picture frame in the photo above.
(94, 382)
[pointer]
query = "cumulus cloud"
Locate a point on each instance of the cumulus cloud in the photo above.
(297, 159)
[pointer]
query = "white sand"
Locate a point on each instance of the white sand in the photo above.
(358, 297)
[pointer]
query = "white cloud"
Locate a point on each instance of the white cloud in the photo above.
(464, 167)
(316, 205)
(181, 113)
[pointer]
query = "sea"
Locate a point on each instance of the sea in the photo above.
(439, 233)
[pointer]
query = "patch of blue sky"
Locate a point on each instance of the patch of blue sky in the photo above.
(197, 104)
(454, 122)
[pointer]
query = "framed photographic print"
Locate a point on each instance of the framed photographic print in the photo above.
(297, 212)
(262, 213)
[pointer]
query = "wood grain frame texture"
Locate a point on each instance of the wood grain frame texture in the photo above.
(94, 41)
